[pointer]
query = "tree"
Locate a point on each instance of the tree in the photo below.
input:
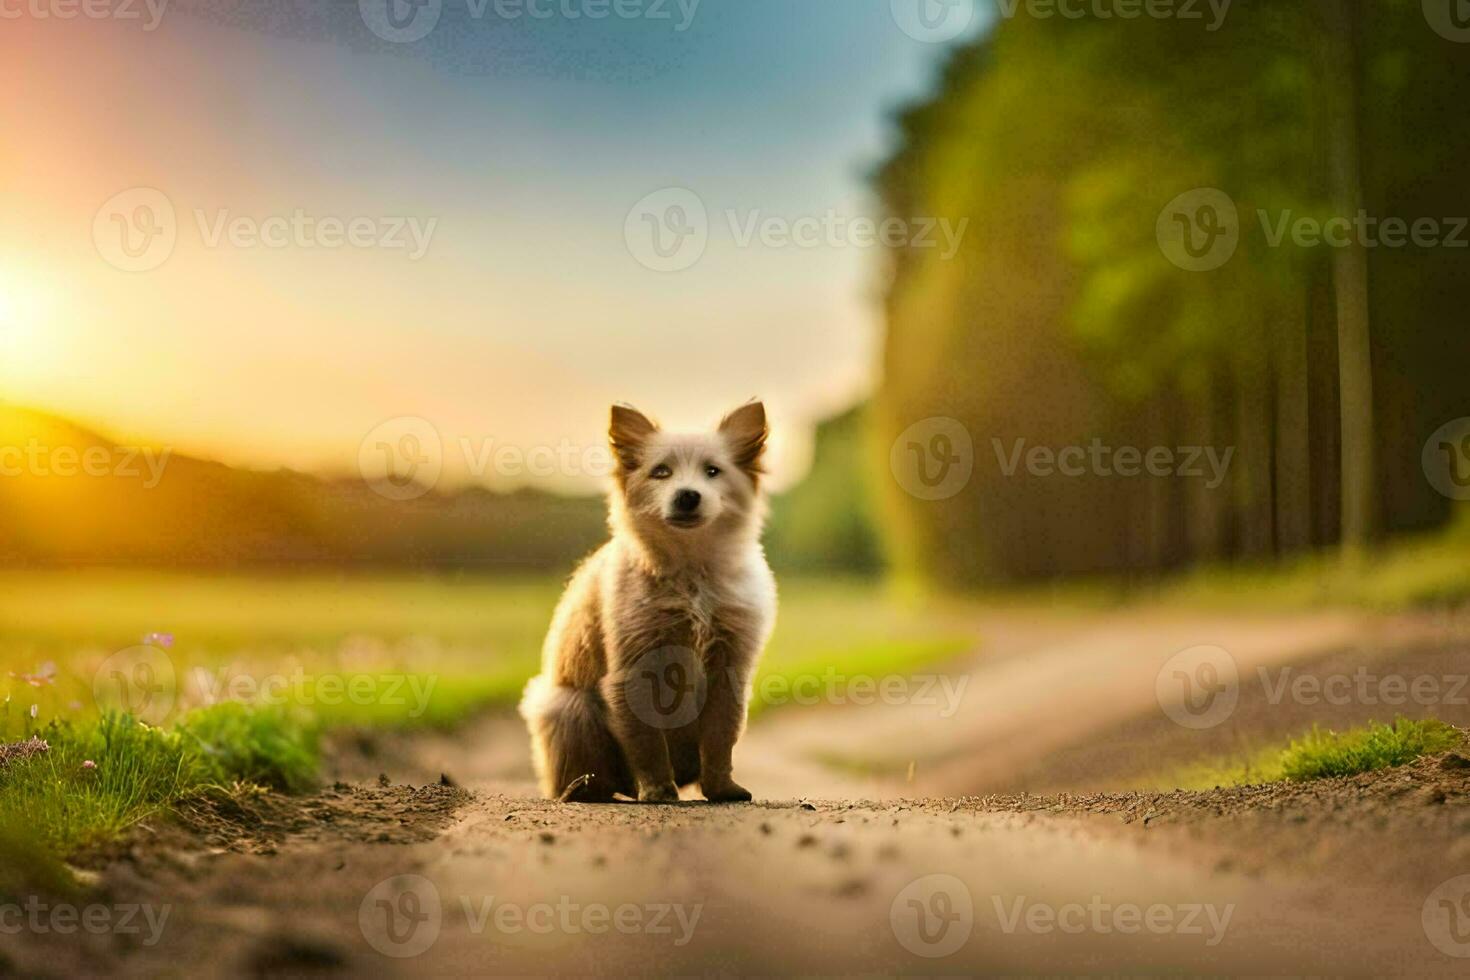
(1340, 74)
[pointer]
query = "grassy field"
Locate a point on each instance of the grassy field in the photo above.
(417, 649)
(149, 687)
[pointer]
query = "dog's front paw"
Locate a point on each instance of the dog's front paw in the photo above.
(728, 791)
(665, 793)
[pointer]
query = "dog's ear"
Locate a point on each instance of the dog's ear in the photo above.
(745, 431)
(627, 433)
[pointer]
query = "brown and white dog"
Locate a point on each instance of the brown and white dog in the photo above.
(646, 670)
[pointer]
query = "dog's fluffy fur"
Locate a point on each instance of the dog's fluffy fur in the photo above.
(680, 596)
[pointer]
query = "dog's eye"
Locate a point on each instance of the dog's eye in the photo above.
(711, 471)
(661, 472)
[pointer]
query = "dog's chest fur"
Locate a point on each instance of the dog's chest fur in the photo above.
(717, 616)
(711, 616)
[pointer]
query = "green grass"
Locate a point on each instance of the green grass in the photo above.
(465, 643)
(1320, 754)
(1416, 572)
(1323, 754)
(100, 776)
(428, 651)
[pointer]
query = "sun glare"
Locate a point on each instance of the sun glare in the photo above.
(21, 334)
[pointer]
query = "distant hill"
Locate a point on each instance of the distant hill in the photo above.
(136, 507)
(72, 496)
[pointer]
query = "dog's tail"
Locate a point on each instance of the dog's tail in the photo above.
(577, 759)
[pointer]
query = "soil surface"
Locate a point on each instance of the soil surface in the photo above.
(879, 847)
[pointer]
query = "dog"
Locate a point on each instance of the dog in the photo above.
(646, 669)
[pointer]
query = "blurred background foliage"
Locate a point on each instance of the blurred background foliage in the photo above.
(1060, 321)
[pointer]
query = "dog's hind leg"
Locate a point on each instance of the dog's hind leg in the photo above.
(577, 759)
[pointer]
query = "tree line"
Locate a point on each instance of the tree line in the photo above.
(1243, 240)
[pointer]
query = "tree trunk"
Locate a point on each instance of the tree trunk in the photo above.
(1293, 442)
(1253, 424)
(1207, 508)
(1340, 80)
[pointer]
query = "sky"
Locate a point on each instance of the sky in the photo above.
(267, 232)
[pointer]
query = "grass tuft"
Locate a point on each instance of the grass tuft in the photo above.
(1318, 754)
(270, 746)
(1324, 754)
(97, 778)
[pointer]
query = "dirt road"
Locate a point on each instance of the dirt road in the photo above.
(833, 872)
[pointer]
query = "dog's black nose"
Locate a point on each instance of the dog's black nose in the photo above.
(686, 501)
